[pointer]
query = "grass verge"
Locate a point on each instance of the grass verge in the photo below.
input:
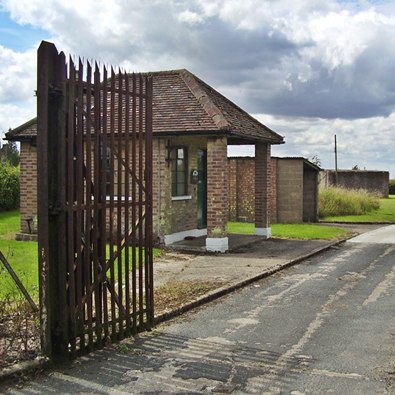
(23, 257)
(384, 214)
(292, 231)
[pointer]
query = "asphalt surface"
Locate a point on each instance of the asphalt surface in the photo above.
(324, 326)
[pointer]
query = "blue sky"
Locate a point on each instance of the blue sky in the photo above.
(18, 37)
(307, 69)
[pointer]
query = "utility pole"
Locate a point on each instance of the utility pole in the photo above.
(335, 161)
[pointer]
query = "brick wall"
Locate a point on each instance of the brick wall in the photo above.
(273, 191)
(232, 195)
(217, 187)
(242, 189)
(262, 181)
(28, 187)
(372, 181)
(293, 190)
(241, 183)
(175, 215)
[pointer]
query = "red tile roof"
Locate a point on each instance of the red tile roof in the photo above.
(184, 104)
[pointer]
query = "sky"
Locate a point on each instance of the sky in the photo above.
(307, 69)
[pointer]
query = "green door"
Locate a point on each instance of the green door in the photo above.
(202, 189)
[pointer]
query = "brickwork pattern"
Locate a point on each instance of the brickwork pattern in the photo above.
(293, 190)
(172, 216)
(262, 180)
(169, 216)
(241, 183)
(217, 187)
(28, 187)
(232, 194)
(273, 190)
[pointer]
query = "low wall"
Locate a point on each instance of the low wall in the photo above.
(372, 181)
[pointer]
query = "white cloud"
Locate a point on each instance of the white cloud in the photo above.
(17, 77)
(190, 17)
(318, 67)
(17, 86)
(367, 143)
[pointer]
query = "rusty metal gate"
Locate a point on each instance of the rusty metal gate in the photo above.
(94, 143)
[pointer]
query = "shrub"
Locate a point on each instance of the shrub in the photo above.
(335, 201)
(392, 187)
(9, 187)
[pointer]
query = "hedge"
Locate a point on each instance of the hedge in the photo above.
(9, 187)
(392, 187)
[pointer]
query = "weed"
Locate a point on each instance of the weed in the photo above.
(335, 201)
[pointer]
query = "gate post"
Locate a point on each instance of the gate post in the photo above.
(51, 140)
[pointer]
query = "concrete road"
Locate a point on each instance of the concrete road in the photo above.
(324, 326)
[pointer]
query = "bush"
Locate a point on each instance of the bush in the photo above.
(334, 201)
(392, 187)
(9, 187)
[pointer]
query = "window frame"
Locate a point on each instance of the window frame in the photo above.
(177, 178)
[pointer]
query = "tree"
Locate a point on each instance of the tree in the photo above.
(9, 154)
(316, 160)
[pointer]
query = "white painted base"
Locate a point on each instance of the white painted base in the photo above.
(174, 237)
(266, 232)
(217, 244)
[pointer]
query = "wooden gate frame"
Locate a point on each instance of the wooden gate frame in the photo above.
(75, 314)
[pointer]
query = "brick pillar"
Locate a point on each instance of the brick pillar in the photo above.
(217, 194)
(28, 188)
(262, 190)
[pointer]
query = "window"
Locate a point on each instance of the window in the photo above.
(179, 171)
(108, 170)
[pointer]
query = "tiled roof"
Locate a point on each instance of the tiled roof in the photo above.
(184, 104)
(26, 131)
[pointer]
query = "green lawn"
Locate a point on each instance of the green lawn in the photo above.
(292, 231)
(386, 214)
(23, 257)
(9, 224)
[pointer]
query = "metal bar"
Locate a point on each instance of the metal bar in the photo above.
(58, 224)
(97, 235)
(111, 225)
(148, 200)
(126, 200)
(103, 196)
(45, 54)
(70, 190)
(134, 182)
(119, 201)
(88, 201)
(140, 194)
(80, 217)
